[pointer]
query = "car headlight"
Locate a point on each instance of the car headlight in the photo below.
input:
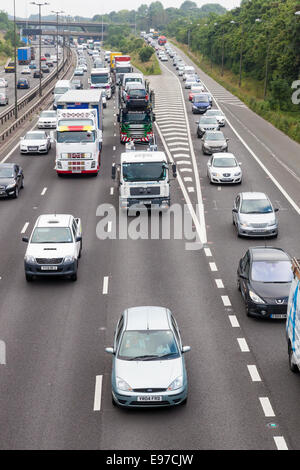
(206, 145)
(256, 298)
(237, 174)
(123, 385)
(29, 259)
(273, 222)
(69, 259)
(244, 225)
(177, 383)
(11, 186)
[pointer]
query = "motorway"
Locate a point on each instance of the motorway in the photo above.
(241, 392)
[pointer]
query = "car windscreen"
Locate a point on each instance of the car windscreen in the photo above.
(34, 136)
(100, 78)
(148, 345)
(256, 206)
(137, 93)
(149, 171)
(206, 120)
(47, 114)
(214, 112)
(74, 137)
(200, 99)
(271, 271)
(52, 235)
(6, 173)
(214, 136)
(220, 162)
(60, 90)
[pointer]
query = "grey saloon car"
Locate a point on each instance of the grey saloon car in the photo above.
(148, 360)
(214, 141)
(254, 216)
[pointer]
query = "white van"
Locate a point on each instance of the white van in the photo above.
(61, 87)
(188, 70)
(133, 77)
(293, 319)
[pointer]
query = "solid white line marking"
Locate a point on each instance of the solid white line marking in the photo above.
(280, 443)
(254, 373)
(219, 283)
(111, 191)
(44, 191)
(25, 227)
(226, 300)
(213, 266)
(98, 393)
(266, 406)
(234, 321)
(243, 345)
(105, 285)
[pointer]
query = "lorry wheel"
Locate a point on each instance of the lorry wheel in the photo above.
(292, 365)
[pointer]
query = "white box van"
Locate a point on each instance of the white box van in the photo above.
(61, 87)
(188, 70)
(293, 319)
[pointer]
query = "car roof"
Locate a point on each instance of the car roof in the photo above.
(36, 132)
(254, 195)
(147, 318)
(56, 220)
(223, 155)
(268, 253)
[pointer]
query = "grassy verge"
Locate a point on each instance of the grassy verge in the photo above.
(250, 92)
(147, 68)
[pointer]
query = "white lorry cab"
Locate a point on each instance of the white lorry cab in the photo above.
(293, 319)
(78, 142)
(100, 78)
(143, 180)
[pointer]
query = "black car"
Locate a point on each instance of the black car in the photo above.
(264, 278)
(47, 54)
(136, 97)
(23, 83)
(11, 180)
(49, 63)
(37, 74)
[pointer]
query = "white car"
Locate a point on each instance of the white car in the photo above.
(26, 71)
(47, 119)
(3, 83)
(218, 114)
(164, 58)
(83, 67)
(35, 142)
(78, 72)
(54, 247)
(223, 167)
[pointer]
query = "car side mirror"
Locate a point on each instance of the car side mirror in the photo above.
(185, 349)
(276, 209)
(78, 238)
(235, 210)
(110, 350)
(25, 239)
(227, 139)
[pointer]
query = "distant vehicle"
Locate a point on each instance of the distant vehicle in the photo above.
(23, 83)
(3, 98)
(190, 81)
(224, 168)
(37, 74)
(264, 278)
(218, 114)
(200, 103)
(254, 216)
(49, 63)
(26, 71)
(214, 141)
(10, 67)
(78, 72)
(35, 142)
(61, 87)
(164, 58)
(83, 67)
(195, 90)
(43, 58)
(206, 124)
(148, 360)
(11, 180)
(47, 120)
(3, 83)
(32, 66)
(45, 68)
(62, 233)
(77, 84)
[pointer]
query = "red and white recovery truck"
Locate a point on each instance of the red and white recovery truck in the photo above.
(122, 65)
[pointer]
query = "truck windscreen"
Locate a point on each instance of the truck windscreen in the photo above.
(74, 137)
(142, 118)
(149, 171)
(123, 69)
(99, 78)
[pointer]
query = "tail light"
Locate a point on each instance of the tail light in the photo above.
(107, 87)
(127, 97)
(146, 97)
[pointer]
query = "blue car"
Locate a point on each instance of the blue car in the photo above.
(23, 83)
(32, 66)
(200, 104)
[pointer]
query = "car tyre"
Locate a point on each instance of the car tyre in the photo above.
(292, 365)
(16, 195)
(28, 277)
(22, 184)
(74, 277)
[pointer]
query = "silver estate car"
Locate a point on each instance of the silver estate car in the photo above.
(148, 367)
(254, 216)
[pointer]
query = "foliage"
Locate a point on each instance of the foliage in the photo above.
(145, 53)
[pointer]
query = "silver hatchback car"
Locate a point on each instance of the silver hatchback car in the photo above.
(254, 216)
(148, 364)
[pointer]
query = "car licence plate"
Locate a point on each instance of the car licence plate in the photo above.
(49, 268)
(32, 148)
(278, 315)
(149, 398)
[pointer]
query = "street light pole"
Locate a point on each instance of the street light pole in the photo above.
(57, 12)
(15, 62)
(40, 5)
